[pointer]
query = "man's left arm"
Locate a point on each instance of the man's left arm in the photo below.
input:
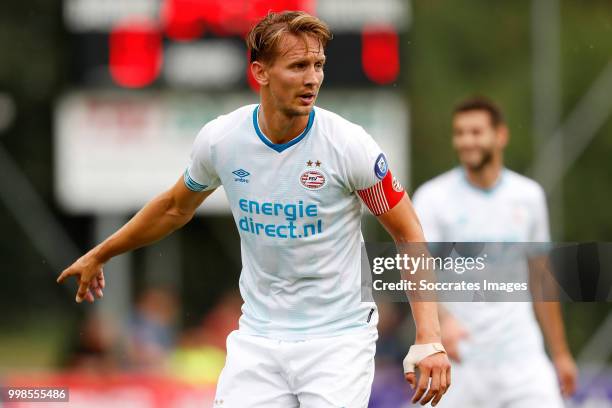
(368, 175)
(402, 224)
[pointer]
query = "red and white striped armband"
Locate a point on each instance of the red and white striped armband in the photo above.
(382, 196)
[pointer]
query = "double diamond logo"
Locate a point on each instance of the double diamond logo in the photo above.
(241, 175)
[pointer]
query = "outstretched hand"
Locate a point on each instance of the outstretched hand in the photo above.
(90, 278)
(436, 368)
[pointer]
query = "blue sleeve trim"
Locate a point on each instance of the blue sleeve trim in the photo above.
(192, 184)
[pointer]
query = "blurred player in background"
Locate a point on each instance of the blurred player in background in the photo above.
(294, 176)
(498, 345)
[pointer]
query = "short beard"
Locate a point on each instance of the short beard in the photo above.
(487, 158)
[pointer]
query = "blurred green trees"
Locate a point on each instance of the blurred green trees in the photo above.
(458, 49)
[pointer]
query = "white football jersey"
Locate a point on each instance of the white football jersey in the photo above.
(298, 213)
(451, 209)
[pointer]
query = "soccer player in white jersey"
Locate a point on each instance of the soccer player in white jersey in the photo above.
(295, 176)
(499, 347)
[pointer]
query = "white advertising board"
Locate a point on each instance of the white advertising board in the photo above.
(114, 151)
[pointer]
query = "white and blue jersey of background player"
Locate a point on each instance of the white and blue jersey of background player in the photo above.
(297, 207)
(504, 338)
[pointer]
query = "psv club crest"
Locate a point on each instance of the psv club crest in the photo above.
(313, 178)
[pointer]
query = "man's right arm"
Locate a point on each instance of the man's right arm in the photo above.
(158, 218)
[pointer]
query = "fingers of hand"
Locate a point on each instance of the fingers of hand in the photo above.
(65, 273)
(90, 287)
(411, 378)
(95, 288)
(572, 382)
(436, 369)
(571, 389)
(99, 293)
(89, 297)
(423, 382)
(86, 291)
(564, 393)
(568, 385)
(434, 386)
(82, 291)
(443, 388)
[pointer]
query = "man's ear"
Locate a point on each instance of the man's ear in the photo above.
(260, 73)
(503, 135)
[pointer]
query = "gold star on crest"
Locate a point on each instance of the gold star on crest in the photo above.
(318, 163)
(309, 163)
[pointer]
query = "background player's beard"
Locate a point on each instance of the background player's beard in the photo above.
(486, 158)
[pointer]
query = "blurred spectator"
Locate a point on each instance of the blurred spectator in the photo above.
(390, 389)
(200, 356)
(152, 330)
(94, 351)
(390, 349)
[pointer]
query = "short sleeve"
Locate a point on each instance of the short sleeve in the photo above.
(369, 175)
(200, 174)
(424, 206)
(540, 230)
(366, 163)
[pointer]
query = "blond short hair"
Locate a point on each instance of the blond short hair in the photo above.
(262, 41)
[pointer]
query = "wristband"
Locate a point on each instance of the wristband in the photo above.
(418, 352)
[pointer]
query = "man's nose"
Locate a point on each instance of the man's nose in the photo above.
(312, 77)
(464, 141)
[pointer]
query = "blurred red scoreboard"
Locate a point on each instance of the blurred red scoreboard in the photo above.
(199, 44)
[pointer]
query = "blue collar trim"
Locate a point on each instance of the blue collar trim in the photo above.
(489, 190)
(281, 147)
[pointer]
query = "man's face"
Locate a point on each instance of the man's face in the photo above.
(475, 139)
(296, 74)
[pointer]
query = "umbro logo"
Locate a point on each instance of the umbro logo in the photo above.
(241, 175)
